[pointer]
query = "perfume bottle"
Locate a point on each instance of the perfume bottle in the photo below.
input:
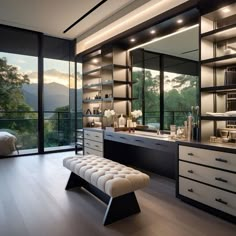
(121, 121)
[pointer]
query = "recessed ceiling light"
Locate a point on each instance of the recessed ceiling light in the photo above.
(179, 21)
(132, 40)
(152, 31)
(226, 10)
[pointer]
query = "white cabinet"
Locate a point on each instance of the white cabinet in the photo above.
(208, 177)
(93, 142)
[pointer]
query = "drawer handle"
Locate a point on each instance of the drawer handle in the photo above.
(138, 140)
(87, 152)
(221, 201)
(190, 190)
(96, 146)
(190, 171)
(190, 154)
(109, 135)
(158, 144)
(96, 136)
(221, 160)
(122, 137)
(221, 180)
(88, 143)
(87, 134)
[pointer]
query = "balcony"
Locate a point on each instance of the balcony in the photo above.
(59, 130)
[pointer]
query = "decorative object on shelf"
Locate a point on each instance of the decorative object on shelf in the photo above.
(88, 112)
(121, 121)
(195, 124)
(173, 130)
(230, 75)
(189, 132)
(135, 115)
(109, 115)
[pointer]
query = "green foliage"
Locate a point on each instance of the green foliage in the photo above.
(181, 94)
(58, 128)
(15, 113)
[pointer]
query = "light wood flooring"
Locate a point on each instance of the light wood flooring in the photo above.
(33, 202)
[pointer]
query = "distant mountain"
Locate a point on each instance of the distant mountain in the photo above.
(55, 95)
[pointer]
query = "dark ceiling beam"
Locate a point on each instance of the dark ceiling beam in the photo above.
(85, 15)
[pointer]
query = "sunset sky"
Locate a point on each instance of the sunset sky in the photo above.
(54, 70)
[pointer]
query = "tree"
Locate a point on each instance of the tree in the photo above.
(180, 94)
(11, 82)
(15, 112)
(58, 128)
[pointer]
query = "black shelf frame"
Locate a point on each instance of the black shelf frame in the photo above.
(219, 89)
(218, 118)
(218, 62)
(217, 35)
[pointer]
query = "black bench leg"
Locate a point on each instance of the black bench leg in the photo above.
(121, 207)
(74, 181)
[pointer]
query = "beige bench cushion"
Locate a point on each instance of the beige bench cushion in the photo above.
(110, 177)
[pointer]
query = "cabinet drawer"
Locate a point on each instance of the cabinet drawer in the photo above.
(211, 176)
(93, 135)
(94, 145)
(118, 137)
(88, 151)
(207, 195)
(141, 141)
(216, 159)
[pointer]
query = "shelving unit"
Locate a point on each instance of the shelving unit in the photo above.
(218, 63)
(106, 85)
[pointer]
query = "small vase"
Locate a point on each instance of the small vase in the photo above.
(196, 133)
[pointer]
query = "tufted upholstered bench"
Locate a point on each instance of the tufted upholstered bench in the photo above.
(110, 181)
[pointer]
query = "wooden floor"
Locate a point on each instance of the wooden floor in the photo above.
(33, 202)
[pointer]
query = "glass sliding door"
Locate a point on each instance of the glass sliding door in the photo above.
(19, 99)
(57, 117)
(58, 94)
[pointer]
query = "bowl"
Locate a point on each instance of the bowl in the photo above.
(224, 133)
(232, 135)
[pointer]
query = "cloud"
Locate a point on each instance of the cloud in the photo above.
(51, 76)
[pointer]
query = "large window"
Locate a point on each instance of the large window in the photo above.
(57, 122)
(19, 96)
(164, 88)
(37, 90)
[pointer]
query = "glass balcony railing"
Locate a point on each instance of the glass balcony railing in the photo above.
(59, 129)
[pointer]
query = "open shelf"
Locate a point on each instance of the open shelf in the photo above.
(92, 115)
(218, 64)
(223, 61)
(92, 71)
(220, 34)
(219, 89)
(92, 100)
(106, 78)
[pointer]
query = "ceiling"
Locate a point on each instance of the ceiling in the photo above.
(52, 17)
(184, 44)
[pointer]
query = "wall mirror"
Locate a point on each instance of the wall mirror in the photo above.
(165, 72)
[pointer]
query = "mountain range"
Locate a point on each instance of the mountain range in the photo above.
(55, 95)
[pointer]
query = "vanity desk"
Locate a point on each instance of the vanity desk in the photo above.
(142, 149)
